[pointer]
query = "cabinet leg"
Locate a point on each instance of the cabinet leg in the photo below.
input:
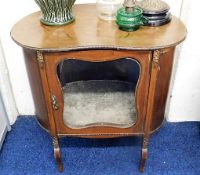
(57, 154)
(144, 153)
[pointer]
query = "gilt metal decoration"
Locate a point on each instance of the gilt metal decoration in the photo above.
(54, 102)
(40, 59)
(156, 56)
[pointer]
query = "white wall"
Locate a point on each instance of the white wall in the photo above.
(9, 15)
(185, 101)
(18, 75)
(6, 90)
(6, 99)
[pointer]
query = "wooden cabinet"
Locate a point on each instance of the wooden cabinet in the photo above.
(89, 79)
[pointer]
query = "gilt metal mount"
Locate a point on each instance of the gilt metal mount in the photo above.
(156, 56)
(55, 142)
(54, 102)
(40, 59)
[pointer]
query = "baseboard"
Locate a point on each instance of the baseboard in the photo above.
(3, 135)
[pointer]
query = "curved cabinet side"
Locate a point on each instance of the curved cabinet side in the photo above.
(162, 86)
(36, 87)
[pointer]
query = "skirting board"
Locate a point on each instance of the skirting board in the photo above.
(4, 124)
(3, 135)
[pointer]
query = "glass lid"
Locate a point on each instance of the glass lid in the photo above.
(153, 6)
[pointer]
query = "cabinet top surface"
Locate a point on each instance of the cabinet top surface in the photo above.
(88, 31)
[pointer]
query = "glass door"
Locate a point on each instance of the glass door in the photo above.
(99, 93)
(96, 92)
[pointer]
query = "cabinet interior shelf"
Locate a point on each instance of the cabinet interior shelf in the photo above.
(99, 103)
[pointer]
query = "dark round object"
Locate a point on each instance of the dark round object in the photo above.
(156, 12)
(157, 17)
(158, 21)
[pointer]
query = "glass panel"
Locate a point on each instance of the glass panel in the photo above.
(100, 93)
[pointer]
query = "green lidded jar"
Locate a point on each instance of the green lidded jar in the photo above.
(130, 17)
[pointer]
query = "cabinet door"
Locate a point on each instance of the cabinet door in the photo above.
(80, 108)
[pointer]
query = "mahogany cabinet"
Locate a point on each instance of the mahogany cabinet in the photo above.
(89, 79)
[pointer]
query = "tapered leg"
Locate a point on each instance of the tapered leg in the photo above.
(57, 154)
(144, 153)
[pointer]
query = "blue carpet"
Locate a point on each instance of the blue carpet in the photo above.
(174, 150)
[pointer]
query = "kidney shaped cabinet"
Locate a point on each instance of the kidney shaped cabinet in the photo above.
(89, 79)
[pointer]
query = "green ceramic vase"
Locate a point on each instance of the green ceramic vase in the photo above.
(130, 21)
(56, 12)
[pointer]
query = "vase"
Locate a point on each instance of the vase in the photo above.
(56, 12)
(107, 9)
